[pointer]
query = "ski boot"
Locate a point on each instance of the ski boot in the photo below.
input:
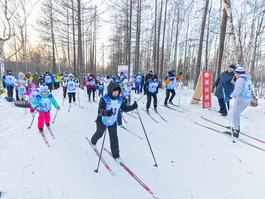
(166, 105)
(147, 110)
(41, 130)
(119, 160)
(48, 125)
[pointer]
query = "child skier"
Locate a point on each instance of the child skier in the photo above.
(42, 102)
(100, 88)
(32, 92)
(71, 88)
(171, 82)
(109, 105)
(151, 90)
(126, 91)
(242, 96)
(21, 86)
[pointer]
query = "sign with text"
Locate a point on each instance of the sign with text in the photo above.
(203, 88)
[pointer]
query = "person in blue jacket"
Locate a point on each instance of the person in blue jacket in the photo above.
(9, 84)
(138, 79)
(142, 83)
(49, 80)
(227, 79)
(151, 91)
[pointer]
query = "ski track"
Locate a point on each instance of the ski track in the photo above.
(193, 162)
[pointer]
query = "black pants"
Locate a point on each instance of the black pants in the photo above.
(17, 98)
(64, 91)
(10, 91)
(149, 95)
(168, 94)
(50, 87)
(114, 143)
(222, 106)
(89, 90)
(70, 96)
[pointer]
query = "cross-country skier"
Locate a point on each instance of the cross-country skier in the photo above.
(151, 87)
(64, 80)
(21, 86)
(171, 82)
(242, 96)
(107, 81)
(91, 82)
(126, 91)
(227, 79)
(138, 79)
(9, 83)
(32, 92)
(71, 88)
(49, 80)
(100, 88)
(107, 115)
(42, 103)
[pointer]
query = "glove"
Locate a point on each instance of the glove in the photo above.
(213, 87)
(108, 112)
(135, 105)
(227, 99)
(58, 109)
(172, 78)
(180, 73)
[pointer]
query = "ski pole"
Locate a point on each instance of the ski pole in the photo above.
(161, 97)
(140, 98)
(78, 96)
(32, 120)
(227, 110)
(147, 137)
(102, 145)
(124, 119)
(55, 116)
(26, 107)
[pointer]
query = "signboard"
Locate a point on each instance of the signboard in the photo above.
(203, 88)
(124, 69)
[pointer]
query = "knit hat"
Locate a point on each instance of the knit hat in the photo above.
(20, 74)
(240, 70)
(44, 88)
(33, 85)
(173, 71)
(232, 66)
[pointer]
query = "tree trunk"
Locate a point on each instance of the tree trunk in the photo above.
(154, 45)
(129, 41)
(73, 26)
(158, 39)
(198, 67)
(80, 56)
(163, 43)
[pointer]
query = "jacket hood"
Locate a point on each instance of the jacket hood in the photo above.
(247, 76)
(111, 87)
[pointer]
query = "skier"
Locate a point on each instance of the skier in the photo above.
(106, 84)
(142, 83)
(138, 79)
(42, 103)
(242, 96)
(28, 77)
(149, 76)
(71, 88)
(91, 85)
(9, 83)
(109, 105)
(100, 88)
(171, 82)
(32, 92)
(126, 91)
(151, 87)
(64, 80)
(48, 79)
(227, 79)
(21, 86)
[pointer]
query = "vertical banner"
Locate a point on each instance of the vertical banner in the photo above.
(206, 89)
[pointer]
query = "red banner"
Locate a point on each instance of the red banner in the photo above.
(206, 89)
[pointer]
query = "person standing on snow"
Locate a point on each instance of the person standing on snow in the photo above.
(100, 88)
(21, 86)
(106, 84)
(91, 85)
(242, 96)
(32, 92)
(142, 83)
(64, 84)
(71, 88)
(171, 82)
(48, 79)
(42, 103)
(151, 87)
(227, 79)
(9, 83)
(138, 79)
(149, 76)
(109, 106)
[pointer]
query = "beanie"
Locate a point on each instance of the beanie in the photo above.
(44, 88)
(240, 70)
(232, 66)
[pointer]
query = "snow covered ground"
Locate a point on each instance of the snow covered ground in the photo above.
(193, 162)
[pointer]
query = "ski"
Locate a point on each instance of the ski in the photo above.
(172, 108)
(131, 115)
(159, 115)
(49, 128)
(229, 128)
(102, 160)
(133, 175)
(174, 104)
(45, 140)
(78, 105)
(121, 126)
(229, 135)
(150, 116)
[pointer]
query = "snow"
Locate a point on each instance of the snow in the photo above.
(193, 162)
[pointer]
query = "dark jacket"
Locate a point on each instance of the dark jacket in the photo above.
(224, 78)
(142, 79)
(148, 76)
(102, 104)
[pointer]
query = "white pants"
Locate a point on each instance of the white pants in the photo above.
(22, 97)
(237, 109)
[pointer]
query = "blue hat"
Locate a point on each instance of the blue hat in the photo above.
(20, 74)
(173, 71)
(232, 66)
(44, 88)
(240, 70)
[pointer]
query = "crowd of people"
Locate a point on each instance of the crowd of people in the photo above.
(115, 95)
